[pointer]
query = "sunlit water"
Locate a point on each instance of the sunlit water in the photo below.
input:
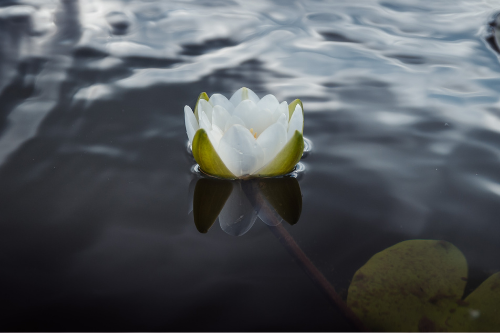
(402, 108)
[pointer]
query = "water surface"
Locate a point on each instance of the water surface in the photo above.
(401, 104)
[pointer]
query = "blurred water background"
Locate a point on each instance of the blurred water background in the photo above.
(401, 103)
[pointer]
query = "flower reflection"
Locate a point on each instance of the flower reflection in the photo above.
(237, 204)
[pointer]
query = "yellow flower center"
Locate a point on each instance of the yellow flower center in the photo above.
(254, 133)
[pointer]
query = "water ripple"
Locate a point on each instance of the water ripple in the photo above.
(401, 102)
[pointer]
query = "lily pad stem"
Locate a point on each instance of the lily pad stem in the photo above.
(317, 277)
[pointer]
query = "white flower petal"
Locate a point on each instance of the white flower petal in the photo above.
(221, 100)
(283, 108)
(205, 122)
(243, 94)
(217, 129)
(256, 119)
(281, 111)
(192, 118)
(272, 141)
(206, 107)
(245, 110)
(268, 102)
(232, 121)
(191, 123)
(283, 120)
(237, 216)
(215, 136)
(213, 132)
(190, 132)
(296, 122)
(239, 151)
(220, 116)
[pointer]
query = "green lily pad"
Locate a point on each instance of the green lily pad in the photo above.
(284, 195)
(206, 156)
(480, 311)
(411, 286)
(417, 285)
(286, 159)
(209, 198)
(201, 96)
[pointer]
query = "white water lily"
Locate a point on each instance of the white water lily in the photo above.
(245, 136)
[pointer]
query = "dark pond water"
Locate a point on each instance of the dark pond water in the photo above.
(402, 108)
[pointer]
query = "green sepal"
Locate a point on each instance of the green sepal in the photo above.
(202, 96)
(284, 195)
(208, 159)
(210, 196)
(284, 162)
(291, 107)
